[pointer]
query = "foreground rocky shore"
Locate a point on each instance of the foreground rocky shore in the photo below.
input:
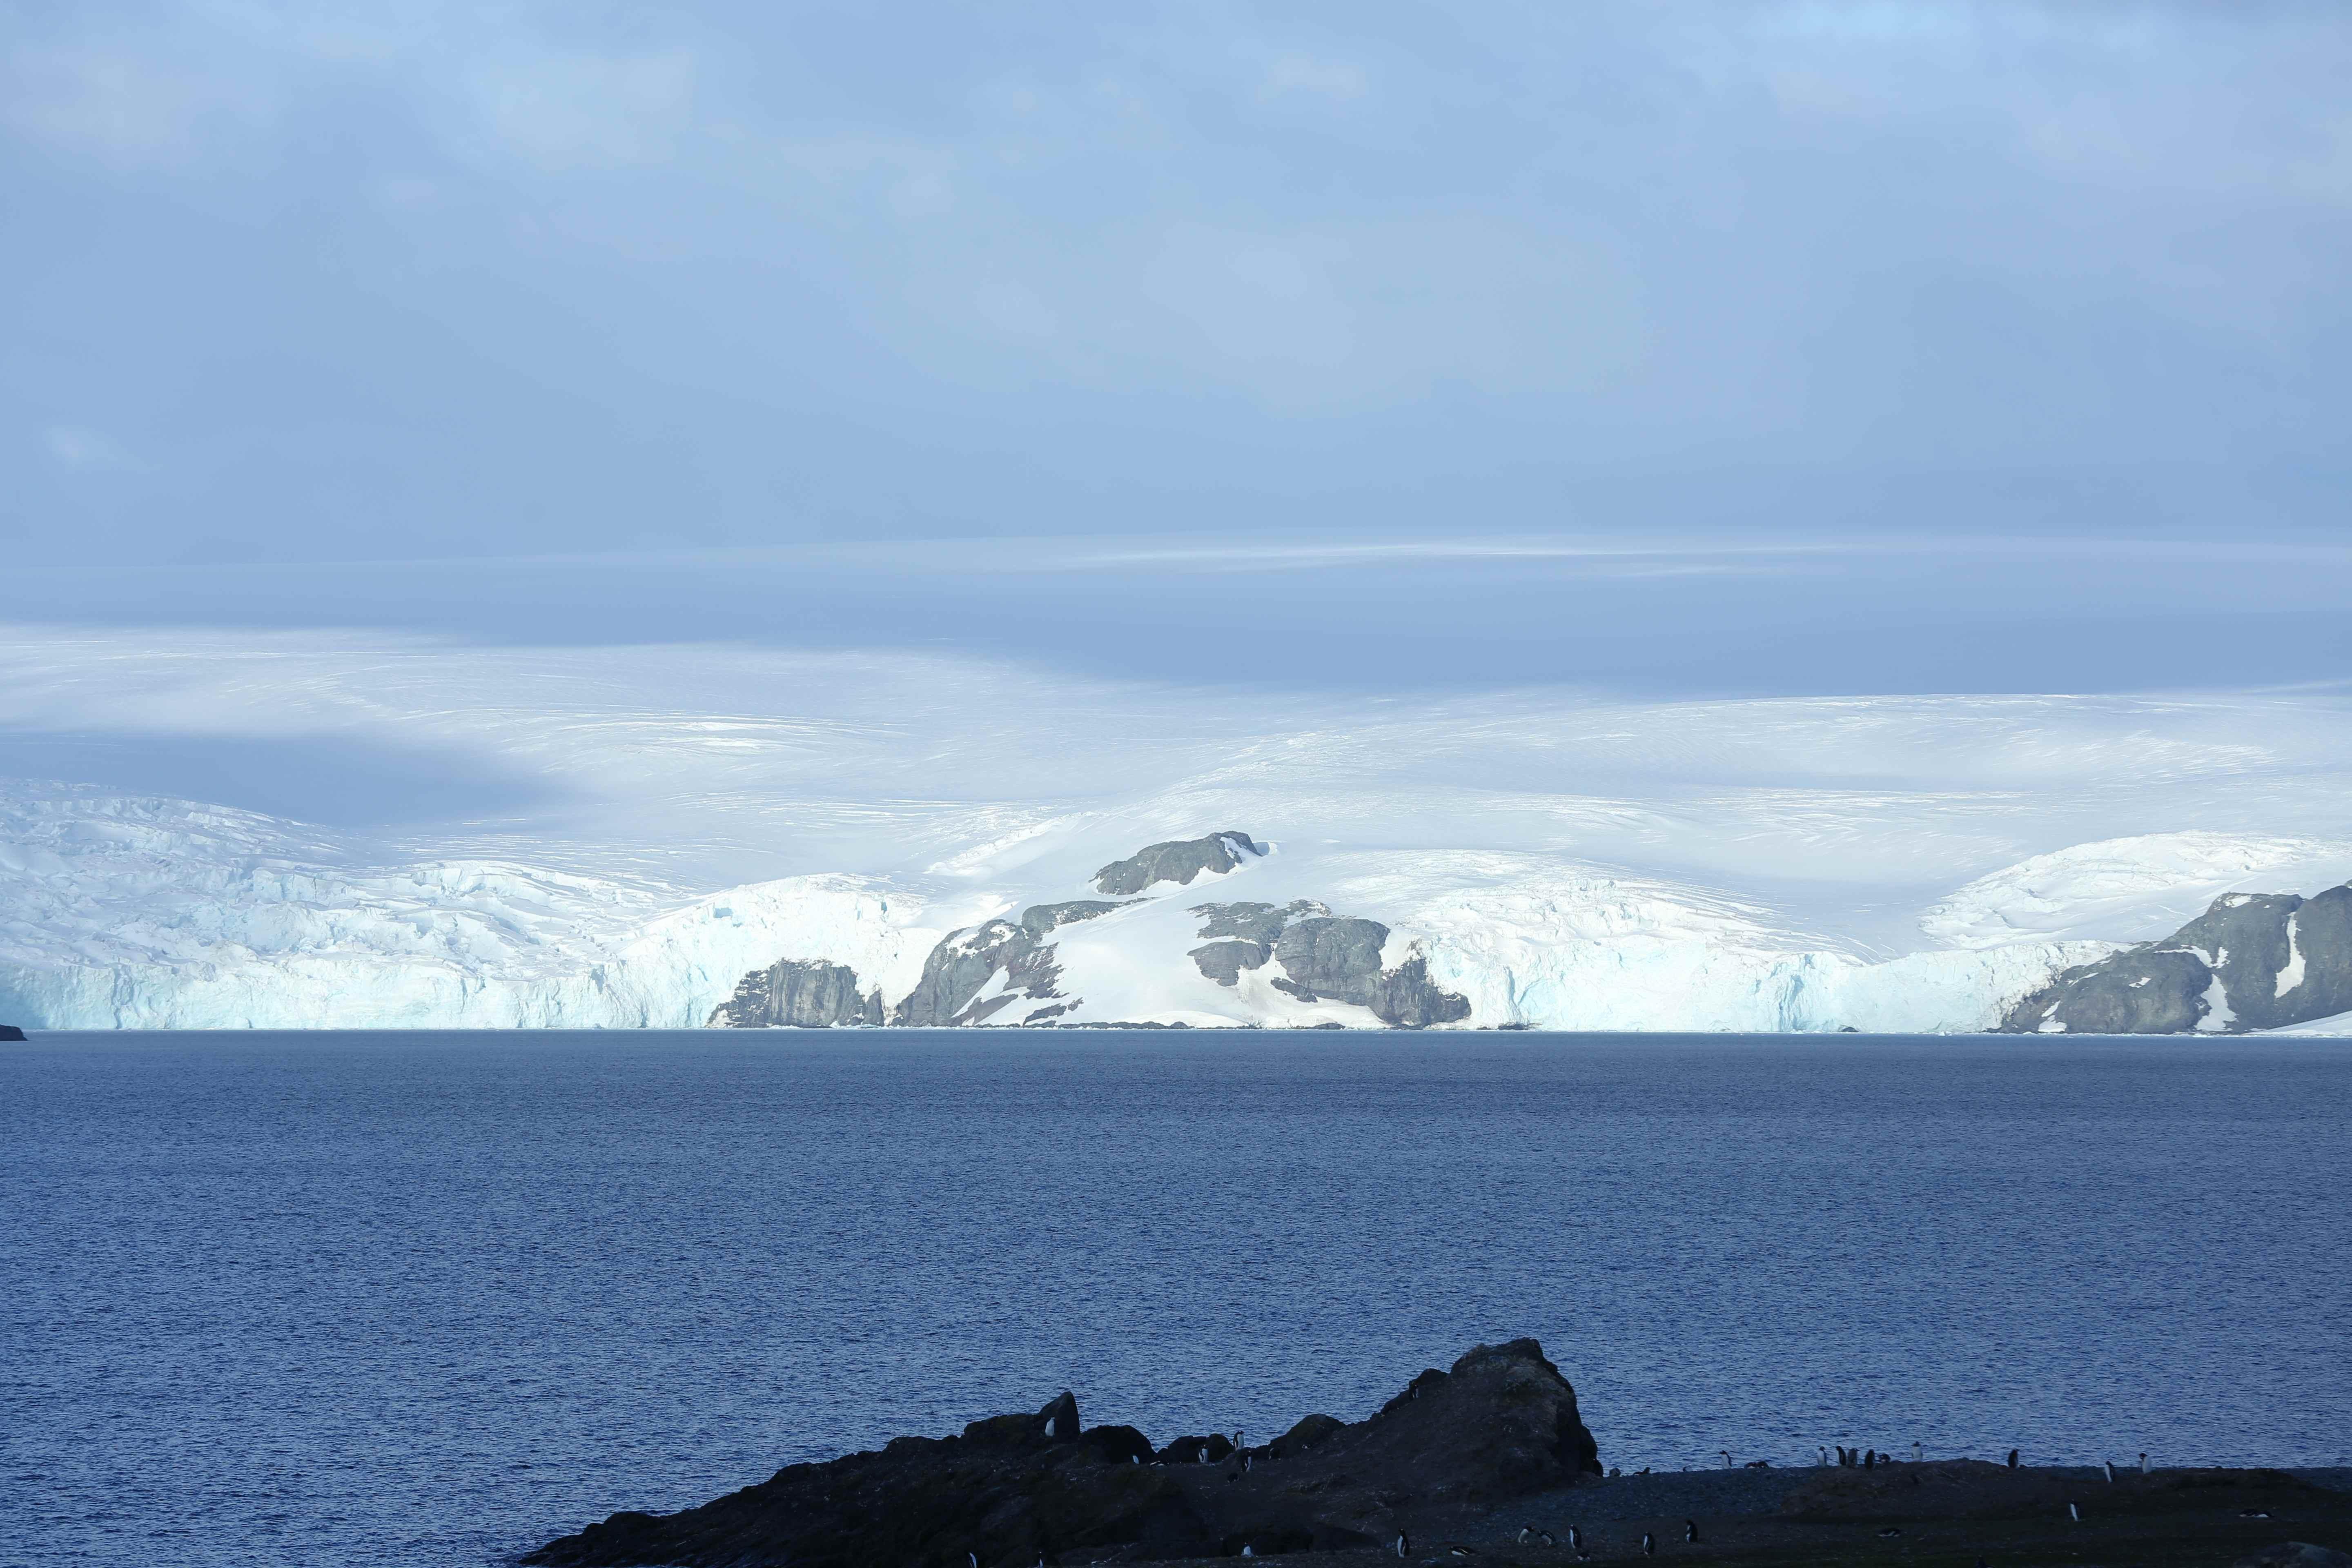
(1490, 1459)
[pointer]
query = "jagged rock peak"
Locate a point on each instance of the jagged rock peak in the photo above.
(1178, 860)
(2252, 961)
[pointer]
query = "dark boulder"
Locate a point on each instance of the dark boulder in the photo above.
(1013, 1489)
(1309, 1431)
(807, 994)
(1178, 860)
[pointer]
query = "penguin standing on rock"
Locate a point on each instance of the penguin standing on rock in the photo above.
(1576, 1541)
(2073, 1513)
(1690, 1530)
(1649, 1545)
(1824, 1453)
(2108, 1465)
(2143, 1464)
(2013, 1458)
(1404, 1543)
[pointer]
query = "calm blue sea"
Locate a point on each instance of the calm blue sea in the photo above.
(431, 1299)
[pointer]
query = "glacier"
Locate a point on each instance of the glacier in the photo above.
(1560, 860)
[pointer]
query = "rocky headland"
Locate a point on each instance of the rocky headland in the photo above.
(2252, 961)
(1489, 1459)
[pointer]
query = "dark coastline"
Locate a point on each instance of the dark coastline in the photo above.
(1491, 1459)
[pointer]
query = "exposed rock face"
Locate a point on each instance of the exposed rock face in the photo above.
(1178, 861)
(1251, 931)
(2252, 960)
(807, 994)
(1044, 919)
(10, 1032)
(1014, 1489)
(1341, 958)
(1224, 962)
(962, 966)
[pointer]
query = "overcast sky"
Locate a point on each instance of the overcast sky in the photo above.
(1684, 347)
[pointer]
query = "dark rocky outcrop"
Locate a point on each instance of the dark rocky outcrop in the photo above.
(1224, 962)
(1249, 932)
(806, 994)
(958, 969)
(9, 1032)
(1340, 959)
(1178, 861)
(2252, 961)
(1044, 919)
(1013, 1489)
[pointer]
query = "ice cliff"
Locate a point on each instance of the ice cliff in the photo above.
(128, 913)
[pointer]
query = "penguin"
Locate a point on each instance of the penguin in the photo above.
(1914, 1453)
(2143, 1464)
(2013, 1458)
(1575, 1540)
(1543, 1538)
(1649, 1545)
(1727, 1457)
(1527, 1533)
(1460, 1551)
(2108, 1465)
(975, 1558)
(1404, 1543)
(1690, 1530)
(1824, 1453)
(1247, 1550)
(2073, 1513)
(1869, 1457)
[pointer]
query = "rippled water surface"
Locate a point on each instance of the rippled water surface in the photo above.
(431, 1299)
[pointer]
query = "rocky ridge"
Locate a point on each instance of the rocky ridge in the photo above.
(1022, 1488)
(2252, 961)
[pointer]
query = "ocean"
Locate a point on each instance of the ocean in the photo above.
(432, 1298)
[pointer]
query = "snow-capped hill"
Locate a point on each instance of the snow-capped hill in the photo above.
(2127, 889)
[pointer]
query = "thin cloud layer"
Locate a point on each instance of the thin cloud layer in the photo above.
(362, 282)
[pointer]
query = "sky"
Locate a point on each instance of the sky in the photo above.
(1679, 350)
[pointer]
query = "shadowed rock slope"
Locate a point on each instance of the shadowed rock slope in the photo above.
(2252, 960)
(1014, 1489)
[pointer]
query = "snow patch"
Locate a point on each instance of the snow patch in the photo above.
(2290, 974)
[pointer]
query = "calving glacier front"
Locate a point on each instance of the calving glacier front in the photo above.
(124, 912)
